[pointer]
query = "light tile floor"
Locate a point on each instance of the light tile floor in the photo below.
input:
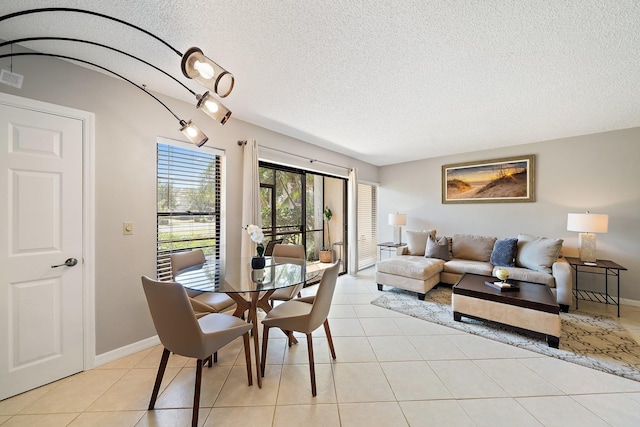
(391, 370)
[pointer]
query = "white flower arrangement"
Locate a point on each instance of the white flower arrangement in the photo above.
(257, 236)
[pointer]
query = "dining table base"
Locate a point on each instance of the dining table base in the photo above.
(258, 300)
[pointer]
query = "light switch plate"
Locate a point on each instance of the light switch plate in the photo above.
(127, 228)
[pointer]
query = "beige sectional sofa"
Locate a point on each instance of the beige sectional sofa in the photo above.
(427, 261)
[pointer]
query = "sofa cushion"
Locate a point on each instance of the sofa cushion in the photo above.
(416, 267)
(537, 253)
(461, 266)
(519, 273)
(504, 252)
(474, 248)
(417, 241)
(439, 249)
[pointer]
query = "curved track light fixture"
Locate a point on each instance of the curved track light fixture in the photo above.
(191, 131)
(205, 102)
(195, 65)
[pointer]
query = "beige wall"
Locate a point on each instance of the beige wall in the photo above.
(128, 123)
(599, 173)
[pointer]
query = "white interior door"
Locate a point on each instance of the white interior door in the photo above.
(41, 225)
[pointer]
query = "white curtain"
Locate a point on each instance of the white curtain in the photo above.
(250, 195)
(352, 194)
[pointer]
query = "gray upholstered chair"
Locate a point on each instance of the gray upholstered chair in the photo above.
(202, 302)
(180, 332)
(280, 252)
(299, 316)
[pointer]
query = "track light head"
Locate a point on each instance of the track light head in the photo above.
(213, 108)
(198, 67)
(193, 133)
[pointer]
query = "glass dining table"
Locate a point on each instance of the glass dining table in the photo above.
(249, 288)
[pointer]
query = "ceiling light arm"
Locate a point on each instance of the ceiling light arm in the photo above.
(88, 12)
(209, 105)
(195, 65)
(29, 39)
(190, 130)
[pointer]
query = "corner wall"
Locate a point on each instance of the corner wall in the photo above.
(598, 172)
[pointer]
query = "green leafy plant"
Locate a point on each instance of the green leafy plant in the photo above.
(328, 214)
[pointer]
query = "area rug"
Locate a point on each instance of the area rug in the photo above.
(587, 339)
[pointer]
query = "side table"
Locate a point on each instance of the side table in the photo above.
(602, 267)
(389, 247)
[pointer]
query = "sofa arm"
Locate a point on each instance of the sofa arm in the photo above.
(561, 271)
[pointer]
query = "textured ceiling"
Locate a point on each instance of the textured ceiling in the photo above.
(382, 81)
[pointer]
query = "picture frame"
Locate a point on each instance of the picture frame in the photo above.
(504, 180)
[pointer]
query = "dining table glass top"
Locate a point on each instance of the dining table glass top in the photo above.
(236, 275)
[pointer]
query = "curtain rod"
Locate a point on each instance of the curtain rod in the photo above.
(241, 143)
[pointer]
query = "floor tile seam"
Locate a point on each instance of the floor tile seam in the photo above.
(452, 391)
(501, 398)
(31, 414)
(424, 357)
(561, 392)
(86, 407)
(503, 388)
(51, 386)
(572, 397)
(219, 392)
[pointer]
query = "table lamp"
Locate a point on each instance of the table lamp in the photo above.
(398, 220)
(587, 224)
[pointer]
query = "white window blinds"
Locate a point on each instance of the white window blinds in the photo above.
(189, 204)
(367, 225)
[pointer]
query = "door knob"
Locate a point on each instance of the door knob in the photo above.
(70, 262)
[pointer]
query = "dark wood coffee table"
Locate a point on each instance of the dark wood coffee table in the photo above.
(533, 307)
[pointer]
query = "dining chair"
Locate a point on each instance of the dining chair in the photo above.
(202, 302)
(299, 316)
(268, 251)
(180, 332)
(287, 251)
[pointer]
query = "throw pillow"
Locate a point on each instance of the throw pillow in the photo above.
(439, 249)
(417, 241)
(474, 248)
(504, 253)
(537, 253)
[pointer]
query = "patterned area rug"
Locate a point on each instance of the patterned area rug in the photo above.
(595, 341)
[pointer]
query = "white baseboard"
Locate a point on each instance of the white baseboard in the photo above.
(632, 302)
(127, 350)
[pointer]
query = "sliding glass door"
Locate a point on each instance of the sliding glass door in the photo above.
(292, 204)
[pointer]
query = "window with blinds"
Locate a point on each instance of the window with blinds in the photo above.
(367, 225)
(189, 204)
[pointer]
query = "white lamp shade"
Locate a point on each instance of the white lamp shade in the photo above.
(588, 223)
(398, 219)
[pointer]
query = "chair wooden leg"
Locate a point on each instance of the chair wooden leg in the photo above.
(156, 387)
(215, 358)
(265, 341)
(247, 356)
(312, 366)
(196, 393)
(327, 332)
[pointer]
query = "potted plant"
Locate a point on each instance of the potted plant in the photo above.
(257, 236)
(326, 253)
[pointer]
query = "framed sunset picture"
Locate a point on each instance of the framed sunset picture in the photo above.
(491, 181)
